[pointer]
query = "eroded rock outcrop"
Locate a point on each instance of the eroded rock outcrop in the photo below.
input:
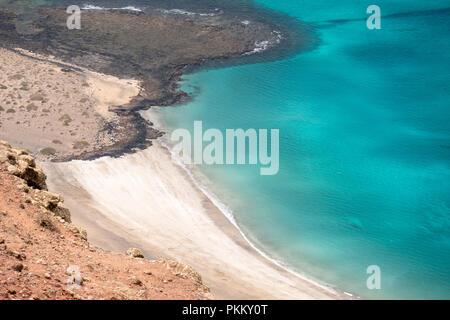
(181, 269)
(22, 165)
(135, 253)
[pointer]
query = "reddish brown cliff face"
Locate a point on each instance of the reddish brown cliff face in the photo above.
(41, 251)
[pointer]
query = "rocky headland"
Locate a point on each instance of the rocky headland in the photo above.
(153, 47)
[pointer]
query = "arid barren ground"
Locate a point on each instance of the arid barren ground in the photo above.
(40, 248)
(57, 112)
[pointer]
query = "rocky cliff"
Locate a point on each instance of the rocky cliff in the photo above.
(44, 256)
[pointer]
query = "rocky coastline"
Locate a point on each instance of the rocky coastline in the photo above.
(142, 46)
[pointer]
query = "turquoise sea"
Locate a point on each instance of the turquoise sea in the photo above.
(364, 122)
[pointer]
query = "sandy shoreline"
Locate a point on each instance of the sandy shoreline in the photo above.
(146, 200)
(141, 199)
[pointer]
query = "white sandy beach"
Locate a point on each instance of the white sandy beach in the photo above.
(146, 200)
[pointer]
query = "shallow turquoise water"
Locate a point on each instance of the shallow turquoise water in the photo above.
(364, 147)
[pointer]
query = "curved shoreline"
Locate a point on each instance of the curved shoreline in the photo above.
(160, 79)
(228, 213)
(154, 204)
(140, 141)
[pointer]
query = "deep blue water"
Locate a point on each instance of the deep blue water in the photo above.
(364, 147)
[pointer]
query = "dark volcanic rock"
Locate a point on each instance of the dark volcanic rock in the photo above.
(153, 47)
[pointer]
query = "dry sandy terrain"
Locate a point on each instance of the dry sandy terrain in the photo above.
(55, 113)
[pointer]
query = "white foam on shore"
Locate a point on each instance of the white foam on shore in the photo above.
(225, 209)
(92, 7)
(261, 46)
(190, 13)
(164, 11)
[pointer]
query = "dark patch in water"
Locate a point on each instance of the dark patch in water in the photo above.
(418, 13)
